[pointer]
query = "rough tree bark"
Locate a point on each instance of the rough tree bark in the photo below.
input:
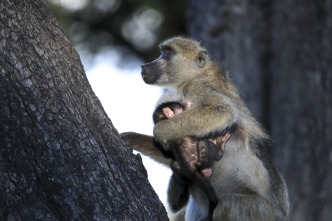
(60, 156)
(301, 104)
(280, 54)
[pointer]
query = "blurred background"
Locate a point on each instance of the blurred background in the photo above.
(279, 53)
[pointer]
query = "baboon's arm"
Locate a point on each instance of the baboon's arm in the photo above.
(206, 118)
(146, 145)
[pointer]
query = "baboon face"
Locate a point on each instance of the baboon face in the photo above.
(180, 60)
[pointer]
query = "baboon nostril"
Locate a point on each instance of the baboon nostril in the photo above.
(142, 67)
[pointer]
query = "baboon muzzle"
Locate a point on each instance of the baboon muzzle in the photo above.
(150, 72)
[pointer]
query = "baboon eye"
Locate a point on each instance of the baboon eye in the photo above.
(165, 52)
(168, 51)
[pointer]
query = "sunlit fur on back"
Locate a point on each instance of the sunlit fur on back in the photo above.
(245, 180)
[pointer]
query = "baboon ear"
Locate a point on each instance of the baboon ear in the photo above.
(201, 59)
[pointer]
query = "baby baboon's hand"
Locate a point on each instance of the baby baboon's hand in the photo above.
(221, 140)
(168, 112)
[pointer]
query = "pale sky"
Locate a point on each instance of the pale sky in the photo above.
(129, 103)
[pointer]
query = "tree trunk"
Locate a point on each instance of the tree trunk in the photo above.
(279, 54)
(301, 104)
(60, 156)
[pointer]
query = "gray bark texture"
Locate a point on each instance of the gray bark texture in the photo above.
(60, 156)
(279, 53)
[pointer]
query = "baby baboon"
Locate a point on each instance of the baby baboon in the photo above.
(197, 154)
(192, 159)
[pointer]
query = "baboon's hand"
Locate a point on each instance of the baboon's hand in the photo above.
(137, 141)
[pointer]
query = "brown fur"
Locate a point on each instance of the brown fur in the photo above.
(245, 180)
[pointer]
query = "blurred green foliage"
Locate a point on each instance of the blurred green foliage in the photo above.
(134, 28)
